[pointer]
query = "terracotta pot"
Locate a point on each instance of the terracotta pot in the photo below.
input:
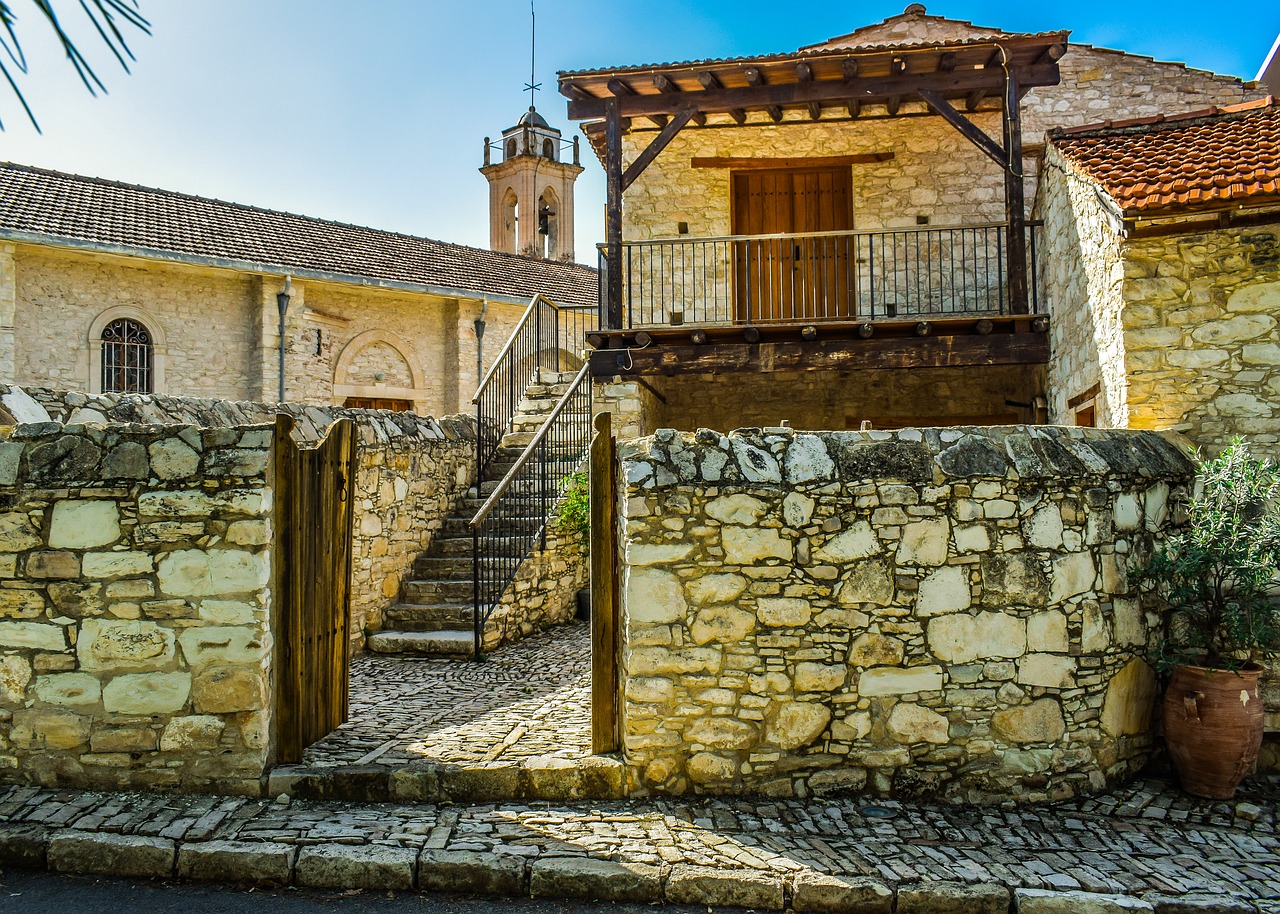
(1213, 727)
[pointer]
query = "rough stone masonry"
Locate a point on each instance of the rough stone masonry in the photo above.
(134, 603)
(940, 612)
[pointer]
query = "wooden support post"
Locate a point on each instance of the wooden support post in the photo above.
(613, 213)
(605, 615)
(1015, 198)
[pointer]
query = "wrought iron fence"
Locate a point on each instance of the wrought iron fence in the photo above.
(515, 515)
(791, 278)
(548, 336)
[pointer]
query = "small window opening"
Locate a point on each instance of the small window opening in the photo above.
(922, 219)
(127, 358)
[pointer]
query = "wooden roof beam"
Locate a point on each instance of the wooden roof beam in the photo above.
(656, 145)
(970, 131)
(947, 62)
(854, 106)
(1052, 53)
(763, 95)
(974, 99)
(755, 78)
(893, 103)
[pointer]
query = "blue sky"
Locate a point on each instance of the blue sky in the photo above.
(374, 112)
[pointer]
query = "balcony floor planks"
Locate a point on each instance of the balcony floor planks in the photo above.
(661, 358)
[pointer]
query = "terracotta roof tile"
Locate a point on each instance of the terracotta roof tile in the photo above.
(1211, 158)
(35, 202)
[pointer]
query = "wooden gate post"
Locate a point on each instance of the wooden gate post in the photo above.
(606, 634)
(313, 492)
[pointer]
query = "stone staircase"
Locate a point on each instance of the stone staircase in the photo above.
(435, 614)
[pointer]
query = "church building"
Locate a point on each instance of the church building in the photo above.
(108, 287)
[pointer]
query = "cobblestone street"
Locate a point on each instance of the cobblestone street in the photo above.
(1148, 841)
(528, 699)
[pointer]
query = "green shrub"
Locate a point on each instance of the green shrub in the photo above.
(1217, 576)
(574, 515)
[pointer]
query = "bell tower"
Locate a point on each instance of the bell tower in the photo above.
(531, 189)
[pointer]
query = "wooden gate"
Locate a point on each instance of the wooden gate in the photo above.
(313, 584)
(606, 631)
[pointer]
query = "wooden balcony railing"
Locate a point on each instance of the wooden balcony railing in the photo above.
(800, 278)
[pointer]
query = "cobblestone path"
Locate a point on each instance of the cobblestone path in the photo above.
(528, 699)
(1147, 841)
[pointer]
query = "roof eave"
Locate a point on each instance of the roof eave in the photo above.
(250, 266)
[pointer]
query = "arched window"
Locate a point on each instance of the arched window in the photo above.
(128, 357)
(511, 148)
(548, 150)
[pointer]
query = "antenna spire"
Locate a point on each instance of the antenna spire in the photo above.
(532, 86)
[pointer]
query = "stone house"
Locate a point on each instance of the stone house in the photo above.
(1161, 266)
(838, 229)
(110, 287)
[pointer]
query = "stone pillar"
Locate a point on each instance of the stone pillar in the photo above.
(8, 315)
(451, 376)
(266, 326)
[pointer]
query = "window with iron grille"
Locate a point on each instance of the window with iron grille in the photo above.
(127, 358)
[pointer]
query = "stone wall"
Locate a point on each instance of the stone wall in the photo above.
(927, 612)
(411, 471)
(1201, 339)
(55, 298)
(1177, 331)
(835, 400)
(135, 648)
(544, 591)
(1081, 279)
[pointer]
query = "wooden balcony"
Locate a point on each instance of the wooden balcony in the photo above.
(902, 298)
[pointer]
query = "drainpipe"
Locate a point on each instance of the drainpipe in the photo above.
(282, 302)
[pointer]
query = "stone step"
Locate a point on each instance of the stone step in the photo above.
(460, 527)
(443, 590)
(541, 778)
(462, 545)
(433, 567)
(430, 617)
(452, 643)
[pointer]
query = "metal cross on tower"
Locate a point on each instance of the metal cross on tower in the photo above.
(532, 86)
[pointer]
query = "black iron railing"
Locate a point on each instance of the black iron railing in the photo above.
(907, 273)
(515, 515)
(548, 336)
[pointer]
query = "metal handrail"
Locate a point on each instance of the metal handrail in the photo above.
(527, 454)
(511, 341)
(844, 233)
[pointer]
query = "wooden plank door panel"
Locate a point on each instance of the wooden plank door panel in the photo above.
(313, 557)
(798, 279)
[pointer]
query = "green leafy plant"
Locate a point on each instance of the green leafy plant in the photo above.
(1217, 576)
(574, 516)
(110, 19)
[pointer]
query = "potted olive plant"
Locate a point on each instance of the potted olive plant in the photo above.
(1216, 577)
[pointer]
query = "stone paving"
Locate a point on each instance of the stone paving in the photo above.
(529, 699)
(1135, 849)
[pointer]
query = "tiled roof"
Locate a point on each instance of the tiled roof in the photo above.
(804, 53)
(1206, 159)
(36, 204)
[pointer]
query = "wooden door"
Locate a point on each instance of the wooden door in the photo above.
(391, 403)
(793, 279)
(313, 584)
